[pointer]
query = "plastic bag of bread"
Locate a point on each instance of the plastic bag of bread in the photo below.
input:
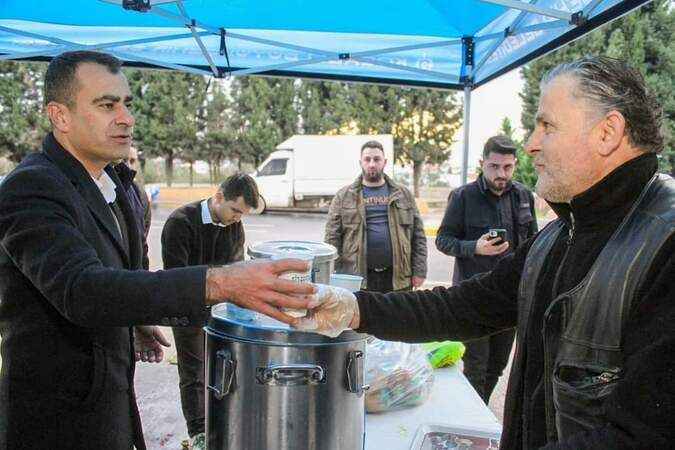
(399, 375)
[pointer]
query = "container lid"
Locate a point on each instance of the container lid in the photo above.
(322, 252)
(241, 324)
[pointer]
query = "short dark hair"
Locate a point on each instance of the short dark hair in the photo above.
(501, 144)
(60, 82)
(372, 144)
(241, 185)
(611, 84)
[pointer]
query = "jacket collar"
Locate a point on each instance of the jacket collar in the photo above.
(357, 185)
(126, 174)
(85, 185)
(609, 199)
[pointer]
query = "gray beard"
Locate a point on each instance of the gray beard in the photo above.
(552, 193)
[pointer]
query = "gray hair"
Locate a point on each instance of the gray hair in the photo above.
(612, 85)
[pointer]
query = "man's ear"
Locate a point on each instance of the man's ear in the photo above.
(610, 132)
(59, 116)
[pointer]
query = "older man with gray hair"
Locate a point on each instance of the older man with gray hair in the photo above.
(591, 294)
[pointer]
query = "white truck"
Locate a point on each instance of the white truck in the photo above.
(306, 171)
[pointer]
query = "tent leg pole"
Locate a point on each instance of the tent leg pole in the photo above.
(467, 127)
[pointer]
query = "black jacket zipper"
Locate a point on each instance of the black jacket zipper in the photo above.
(551, 430)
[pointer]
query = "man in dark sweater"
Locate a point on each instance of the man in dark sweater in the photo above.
(494, 200)
(591, 295)
(206, 232)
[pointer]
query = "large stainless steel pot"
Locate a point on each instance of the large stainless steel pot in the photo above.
(273, 388)
(324, 255)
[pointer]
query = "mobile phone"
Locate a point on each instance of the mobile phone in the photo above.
(498, 235)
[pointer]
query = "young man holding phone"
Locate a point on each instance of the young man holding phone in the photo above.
(485, 220)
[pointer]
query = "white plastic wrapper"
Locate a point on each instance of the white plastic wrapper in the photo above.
(399, 375)
(333, 310)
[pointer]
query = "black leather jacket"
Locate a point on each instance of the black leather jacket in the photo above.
(583, 357)
(640, 412)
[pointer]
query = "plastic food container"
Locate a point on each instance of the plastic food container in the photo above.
(343, 280)
(443, 437)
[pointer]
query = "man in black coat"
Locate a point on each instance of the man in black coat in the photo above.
(70, 280)
(591, 295)
(493, 201)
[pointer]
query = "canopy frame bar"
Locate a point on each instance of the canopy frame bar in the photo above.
(281, 66)
(466, 127)
(588, 10)
(523, 30)
(531, 8)
(122, 54)
(168, 15)
(201, 45)
(60, 48)
(325, 55)
(576, 21)
(375, 62)
(499, 42)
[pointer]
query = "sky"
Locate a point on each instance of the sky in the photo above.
(490, 103)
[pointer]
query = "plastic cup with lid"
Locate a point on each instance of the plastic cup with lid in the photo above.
(296, 276)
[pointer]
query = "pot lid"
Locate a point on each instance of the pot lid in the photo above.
(322, 252)
(242, 324)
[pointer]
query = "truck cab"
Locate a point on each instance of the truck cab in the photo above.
(275, 179)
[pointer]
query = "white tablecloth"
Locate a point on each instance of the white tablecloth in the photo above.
(453, 402)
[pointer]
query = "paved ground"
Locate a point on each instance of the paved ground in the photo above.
(157, 384)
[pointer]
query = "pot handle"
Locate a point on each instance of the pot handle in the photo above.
(224, 374)
(290, 374)
(355, 373)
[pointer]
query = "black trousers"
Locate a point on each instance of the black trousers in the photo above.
(485, 360)
(190, 354)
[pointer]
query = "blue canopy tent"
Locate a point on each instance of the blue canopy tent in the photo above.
(451, 44)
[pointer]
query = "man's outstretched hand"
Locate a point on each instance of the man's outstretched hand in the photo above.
(256, 285)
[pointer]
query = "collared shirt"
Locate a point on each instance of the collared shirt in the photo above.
(206, 214)
(107, 187)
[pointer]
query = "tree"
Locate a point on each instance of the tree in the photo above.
(524, 172)
(167, 108)
(645, 38)
(425, 129)
(376, 108)
(324, 106)
(219, 135)
(23, 124)
(264, 115)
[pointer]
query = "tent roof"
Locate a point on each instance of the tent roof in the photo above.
(443, 44)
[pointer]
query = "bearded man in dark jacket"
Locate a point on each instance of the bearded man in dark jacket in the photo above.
(591, 294)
